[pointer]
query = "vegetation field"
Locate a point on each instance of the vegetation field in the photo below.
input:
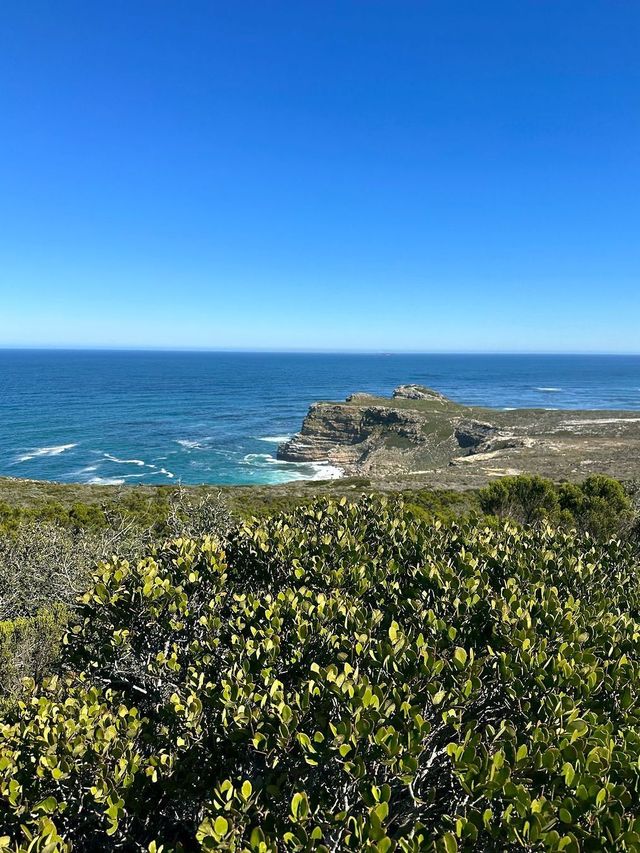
(273, 671)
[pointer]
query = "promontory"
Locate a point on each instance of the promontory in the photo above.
(420, 434)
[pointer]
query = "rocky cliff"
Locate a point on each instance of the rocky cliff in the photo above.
(418, 431)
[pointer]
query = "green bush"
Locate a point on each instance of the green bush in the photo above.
(524, 498)
(45, 566)
(599, 505)
(440, 504)
(344, 677)
(28, 648)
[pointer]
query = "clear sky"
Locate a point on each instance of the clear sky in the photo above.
(321, 174)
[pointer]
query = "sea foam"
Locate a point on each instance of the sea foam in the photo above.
(283, 471)
(45, 451)
(138, 462)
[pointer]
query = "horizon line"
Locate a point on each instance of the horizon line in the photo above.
(299, 351)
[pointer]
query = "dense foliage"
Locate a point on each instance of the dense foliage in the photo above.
(347, 676)
(49, 552)
(599, 505)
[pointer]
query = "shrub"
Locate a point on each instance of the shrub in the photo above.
(28, 648)
(440, 504)
(525, 498)
(44, 568)
(599, 506)
(344, 677)
(43, 563)
(195, 515)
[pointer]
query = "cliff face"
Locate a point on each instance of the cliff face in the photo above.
(351, 436)
(363, 436)
(419, 431)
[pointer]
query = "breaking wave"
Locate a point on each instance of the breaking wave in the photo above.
(138, 462)
(191, 443)
(45, 451)
(280, 471)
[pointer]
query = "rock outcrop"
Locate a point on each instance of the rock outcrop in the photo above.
(419, 431)
(418, 392)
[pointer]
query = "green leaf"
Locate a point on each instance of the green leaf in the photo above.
(437, 699)
(381, 811)
(221, 826)
(299, 806)
(568, 772)
(47, 806)
(460, 657)
(450, 843)
(257, 837)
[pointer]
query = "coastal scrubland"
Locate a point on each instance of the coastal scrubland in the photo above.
(320, 667)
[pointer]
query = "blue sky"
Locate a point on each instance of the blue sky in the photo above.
(321, 175)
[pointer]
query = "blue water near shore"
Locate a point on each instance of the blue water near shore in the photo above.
(194, 417)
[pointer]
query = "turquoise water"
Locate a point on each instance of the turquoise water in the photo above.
(166, 417)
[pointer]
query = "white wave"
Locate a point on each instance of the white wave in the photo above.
(266, 458)
(168, 474)
(106, 481)
(191, 443)
(124, 461)
(549, 390)
(88, 469)
(275, 439)
(325, 471)
(282, 472)
(45, 451)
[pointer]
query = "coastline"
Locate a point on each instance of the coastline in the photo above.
(418, 431)
(217, 418)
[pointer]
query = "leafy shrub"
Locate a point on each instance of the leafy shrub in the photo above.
(45, 566)
(599, 506)
(28, 648)
(43, 563)
(198, 514)
(524, 498)
(440, 504)
(345, 677)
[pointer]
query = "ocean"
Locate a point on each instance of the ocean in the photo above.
(205, 417)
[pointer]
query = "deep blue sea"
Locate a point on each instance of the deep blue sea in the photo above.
(195, 417)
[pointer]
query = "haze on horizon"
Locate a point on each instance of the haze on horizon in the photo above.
(415, 176)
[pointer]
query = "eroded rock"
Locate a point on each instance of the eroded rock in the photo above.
(420, 431)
